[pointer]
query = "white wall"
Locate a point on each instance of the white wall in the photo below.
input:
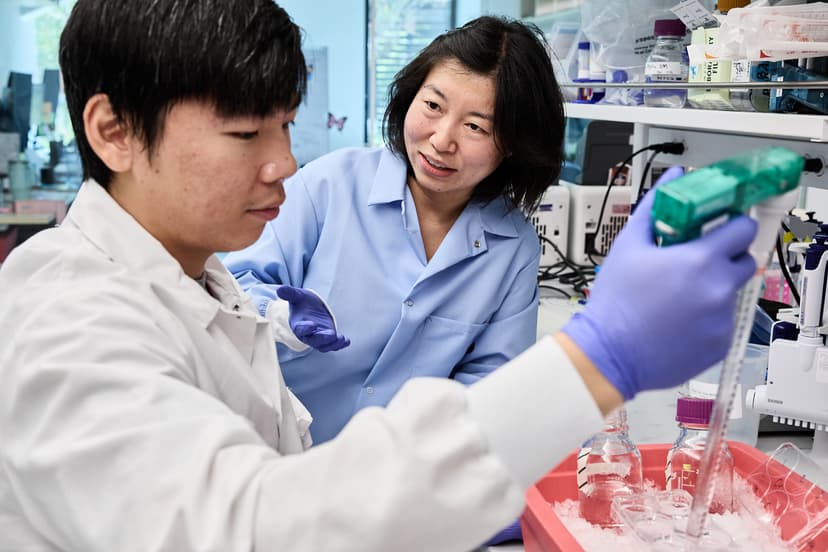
(339, 25)
(469, 9)
(509, 8)
(17, 43)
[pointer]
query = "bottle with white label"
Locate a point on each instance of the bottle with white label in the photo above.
(667, 62)
(609, 465)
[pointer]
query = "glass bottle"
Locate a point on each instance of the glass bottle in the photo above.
(667, 62)
(684, 458)
(609, 465)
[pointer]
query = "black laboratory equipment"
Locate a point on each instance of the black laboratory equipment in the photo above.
(16, 106)
(603, 145)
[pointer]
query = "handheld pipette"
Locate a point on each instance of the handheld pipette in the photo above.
(763, 182)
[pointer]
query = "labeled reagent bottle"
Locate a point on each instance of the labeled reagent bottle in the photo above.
(684, 458)
(667, 62)
(609, 465)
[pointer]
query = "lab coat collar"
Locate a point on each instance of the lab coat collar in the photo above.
(390, 179)
(115, 232)
(496, 218)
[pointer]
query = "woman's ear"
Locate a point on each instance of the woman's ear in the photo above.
(108, 137)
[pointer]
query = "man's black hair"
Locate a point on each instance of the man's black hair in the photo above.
(242, 56)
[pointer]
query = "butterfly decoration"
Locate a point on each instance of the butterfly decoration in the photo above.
(334, 122)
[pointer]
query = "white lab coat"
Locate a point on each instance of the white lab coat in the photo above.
(137, 412)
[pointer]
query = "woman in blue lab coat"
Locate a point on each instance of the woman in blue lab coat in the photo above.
(422, 249)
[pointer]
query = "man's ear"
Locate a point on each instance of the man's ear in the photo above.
(109, 138)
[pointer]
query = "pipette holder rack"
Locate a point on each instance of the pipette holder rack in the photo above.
(796, 391)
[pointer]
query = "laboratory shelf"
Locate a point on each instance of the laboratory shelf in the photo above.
(783, 125)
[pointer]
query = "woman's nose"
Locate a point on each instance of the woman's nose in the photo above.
(442, 138)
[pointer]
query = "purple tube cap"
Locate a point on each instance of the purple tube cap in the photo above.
(669, 27)
(692, 410)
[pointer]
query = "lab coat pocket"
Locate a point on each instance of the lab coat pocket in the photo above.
(442, 343)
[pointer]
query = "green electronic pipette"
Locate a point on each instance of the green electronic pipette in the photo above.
(764, 184)
(686, 207)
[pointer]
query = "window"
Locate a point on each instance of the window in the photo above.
(49, 22)
(397, 31)
(30, 34)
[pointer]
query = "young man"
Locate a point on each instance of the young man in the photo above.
(141, 405)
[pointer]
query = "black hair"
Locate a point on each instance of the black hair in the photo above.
(528, 112)
(242, 56)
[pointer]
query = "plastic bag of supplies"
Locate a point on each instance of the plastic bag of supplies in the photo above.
(773, 33)
(621, 31)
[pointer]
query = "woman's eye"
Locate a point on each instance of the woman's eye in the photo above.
(434, 106)
(476, 128)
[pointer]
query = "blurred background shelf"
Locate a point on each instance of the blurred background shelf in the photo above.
(793, 126)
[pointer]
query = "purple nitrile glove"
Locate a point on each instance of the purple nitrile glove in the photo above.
(311, 321)
(657, 316)
(509, 533)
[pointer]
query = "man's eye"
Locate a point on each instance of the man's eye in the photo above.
(244, 135)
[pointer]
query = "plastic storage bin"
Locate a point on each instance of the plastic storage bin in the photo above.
(544, 532)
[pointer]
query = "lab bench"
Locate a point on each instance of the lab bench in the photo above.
(46, 206)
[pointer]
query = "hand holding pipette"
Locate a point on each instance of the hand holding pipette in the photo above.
(631, 296)
(764, 181)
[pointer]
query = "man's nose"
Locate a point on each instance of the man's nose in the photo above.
(282, 167)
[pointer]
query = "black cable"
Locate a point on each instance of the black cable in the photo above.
(644, 176)
(783, 264)
(556, 248)
(563, 257)
(545, 273)
(676, 148)
(616, 171)
(578, 277)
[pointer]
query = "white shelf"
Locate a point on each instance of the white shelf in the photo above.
(782, 125)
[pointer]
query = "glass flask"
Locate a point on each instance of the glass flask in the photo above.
(684, 458)
(609, 465)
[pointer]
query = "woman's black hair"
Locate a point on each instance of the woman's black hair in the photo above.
(528, 112)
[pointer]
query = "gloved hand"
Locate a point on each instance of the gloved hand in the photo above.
(658, 316)
(510, 533)
(311, 321)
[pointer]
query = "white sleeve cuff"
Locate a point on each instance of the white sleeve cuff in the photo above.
(278, 314)
(534, 410)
